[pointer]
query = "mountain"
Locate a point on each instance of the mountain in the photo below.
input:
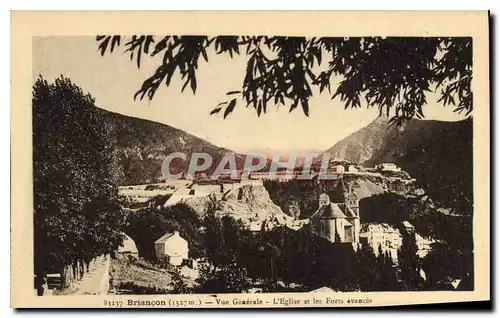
(438, 154)
(141, 145)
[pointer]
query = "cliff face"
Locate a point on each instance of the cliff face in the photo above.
(299, 199)
(368, 185)
(249, 203)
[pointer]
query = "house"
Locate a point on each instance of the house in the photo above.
(382, 236)
(338, 169)
(337, 222)
(255, 227)
(172, 247)
(388, 167)
(128, 248)
(390, 238)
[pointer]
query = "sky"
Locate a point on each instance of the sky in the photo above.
(113, 79)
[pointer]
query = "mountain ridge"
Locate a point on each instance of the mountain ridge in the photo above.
(437, 153)
(140, 145)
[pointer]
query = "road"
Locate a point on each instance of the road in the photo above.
(96, 281)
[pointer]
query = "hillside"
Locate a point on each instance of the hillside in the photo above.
(438, 154)
(141, 145)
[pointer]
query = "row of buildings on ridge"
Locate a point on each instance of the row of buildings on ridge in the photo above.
(283, 175)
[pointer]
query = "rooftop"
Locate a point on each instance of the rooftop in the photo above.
(167, 236)
(334, 210)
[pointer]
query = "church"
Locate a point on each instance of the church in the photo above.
(337, 222)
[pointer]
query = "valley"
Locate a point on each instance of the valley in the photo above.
(387, 217)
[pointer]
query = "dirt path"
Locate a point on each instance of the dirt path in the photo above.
(96, 281)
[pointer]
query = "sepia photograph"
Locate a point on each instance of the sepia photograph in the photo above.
(284, 169)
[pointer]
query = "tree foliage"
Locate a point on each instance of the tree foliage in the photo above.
(409, 262)
(178, 284)
(294, 258)
(392, 208)
(223, 273)
(77, 215)
(393, 74)
(229, 278)
(149, 224)
(444, 264)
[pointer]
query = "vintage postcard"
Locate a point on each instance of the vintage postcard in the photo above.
(249, 159)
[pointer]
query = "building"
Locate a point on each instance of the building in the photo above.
(128, 248)
(352, 169)
(338, 169)
(382, 236)
(259, 175)
(388, 167)
(255, 227)
(172, 247)
(390, 238)
(182, 194)
(337, 222)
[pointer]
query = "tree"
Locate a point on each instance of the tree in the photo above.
(388, 274)
(448, 262)
(409, 262)
(77, 214)
(229, 278)
(386, 72)
(368, 270)
(213, 240)
(223, 272)
(178, 284)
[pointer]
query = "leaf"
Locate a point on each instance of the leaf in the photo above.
(285, 67)
(229, 108)
(193, 83)
(305, 107)
(104, 45)
(160, 46)
(215, 110)
(149, 40)
(139, 57)
(204, 53)
(184, 86)
(115, 42)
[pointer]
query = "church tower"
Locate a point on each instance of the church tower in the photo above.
(324, 199)
(352, 201)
